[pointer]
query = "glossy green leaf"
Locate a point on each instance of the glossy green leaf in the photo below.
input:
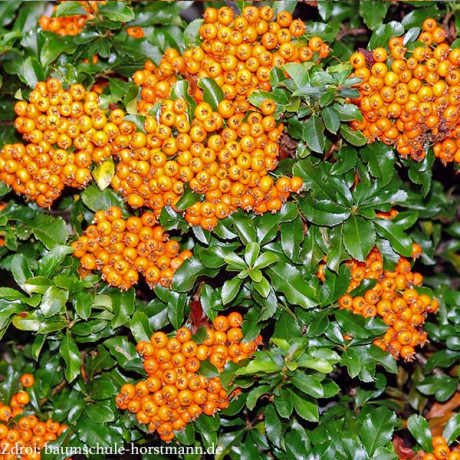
(212, 93)
(358, 237)
(71, 355)
(53, 301)
(373, 12)
(420, 430)
(313, 134)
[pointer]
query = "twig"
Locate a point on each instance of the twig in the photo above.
(353, 32)
(54, 391)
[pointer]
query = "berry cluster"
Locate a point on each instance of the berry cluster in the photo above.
(238, 52)
(70, 25)
(441, 450)
(224, 154)
(410, 99)
(66, 131)
(174, 394)
(122, 249)
(227, 164)
(25, 434)
(394, 299)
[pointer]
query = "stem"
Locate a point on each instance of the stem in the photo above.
(54, 391)
(288, 310)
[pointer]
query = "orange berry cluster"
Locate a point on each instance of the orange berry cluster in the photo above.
(174, 394)
(70, 25)
(122, 249)
(225, 154)
(410, 99)
(53, 122)
(394, 299)
(238, 52)
(441, 450)
(26, 435)
(228, 165)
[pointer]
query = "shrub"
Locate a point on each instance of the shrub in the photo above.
(230, 227)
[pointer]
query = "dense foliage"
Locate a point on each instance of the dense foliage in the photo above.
(230, 226)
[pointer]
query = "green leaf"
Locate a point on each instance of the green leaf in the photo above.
(395, 234)
(384, 32)
(358, 326)
(38, 284)
(116, 11)
(94, 433)
(230, 289)
(442, 387)
(305, 408)
(140, 326)
(308, 384)
(37, 346)
(337, 252)
(191, 36)
(331, 119)
(273, 426)
(27, 321)
(317, 364)
(348, 112)
(71, 355)
(125, 353)
(323, 212)
(265, 259)
(103, 388)
(186, 274)
(49, 263)
(380, 159)
(356, 138)
(262, 286)
(180, 90)
(363, 287)
(51, 231)
(373, 12)
(100, 200)
(418, 15)
(20, 269)
(313, 134)
(84, 302)
(176, 310)
(346, 160)
(245, 228)
(335, 285)
(255, 394)
(298, 72)
(123, 307)
(188, 198)
(53, 301)
(452, 429)
(292, 235)
(251, 253)
(420, 430)
(212, 92)
(283, 404)
(262, 363)
(358, 237)
(31, 72)
(69, 9)
(287, 279)
(377, 429)
(284, 5)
